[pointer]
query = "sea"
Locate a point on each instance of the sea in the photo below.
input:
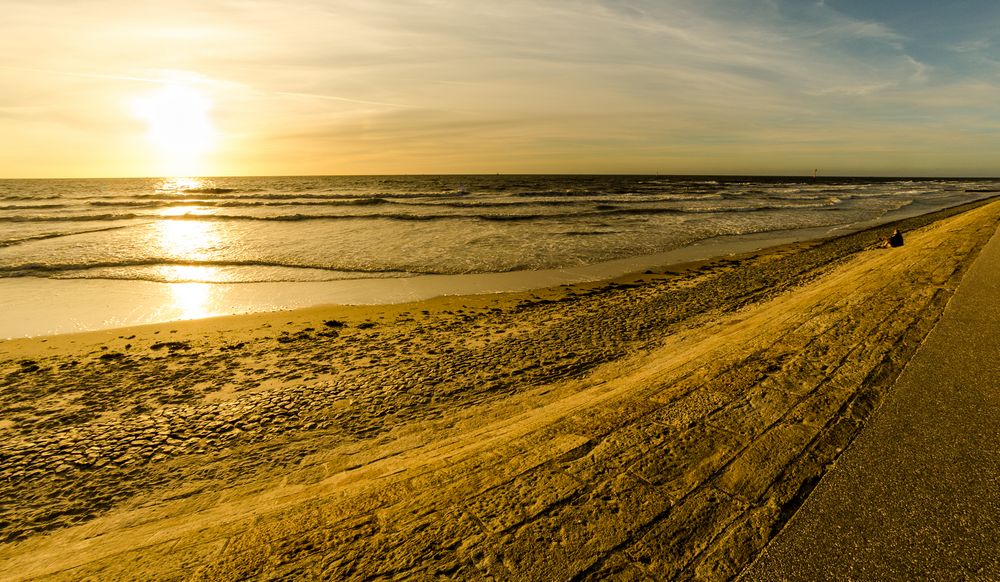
(262, 243)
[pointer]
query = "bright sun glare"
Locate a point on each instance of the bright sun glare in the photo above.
(188, 241)
(179, 126)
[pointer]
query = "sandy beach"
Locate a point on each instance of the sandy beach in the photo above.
(665, 423)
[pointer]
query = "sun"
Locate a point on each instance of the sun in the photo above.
(179, 127)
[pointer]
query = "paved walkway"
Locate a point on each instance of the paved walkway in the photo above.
(917, 495)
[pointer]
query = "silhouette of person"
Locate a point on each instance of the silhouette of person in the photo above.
(896, 240)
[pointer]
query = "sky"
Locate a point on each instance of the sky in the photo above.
(107, 88)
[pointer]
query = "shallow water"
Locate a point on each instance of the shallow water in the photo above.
(369, 239)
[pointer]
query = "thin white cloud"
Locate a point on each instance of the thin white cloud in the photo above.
(920, 70)
(338, 98)
(81, 74)
(972, 46)
(854, 91)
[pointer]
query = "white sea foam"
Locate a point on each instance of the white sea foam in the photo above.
(235, 230)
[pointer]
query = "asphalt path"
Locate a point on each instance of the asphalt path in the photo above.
(917, 495)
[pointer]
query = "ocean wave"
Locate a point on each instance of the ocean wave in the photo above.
(32, 206)
(599, 210)
(22, 197)
(50, 235)
(260, 194)
(252, 195)
(288, 217)
(555, 193)
(488, 204)
(249, 203)
(76, 218)
(720, 210)
(208, 190)
(67, 270)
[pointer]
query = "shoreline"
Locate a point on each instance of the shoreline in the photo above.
(115, 304)
(660, 424)
(48, 307)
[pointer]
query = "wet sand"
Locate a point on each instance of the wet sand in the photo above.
(660, 424)
(35, 307)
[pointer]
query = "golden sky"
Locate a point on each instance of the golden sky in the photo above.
(264, 87)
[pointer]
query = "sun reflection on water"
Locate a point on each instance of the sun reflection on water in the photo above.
(191, 210)
(179, 185)
(186, 240)
(184, 245)
(192, 300)
(193, 274)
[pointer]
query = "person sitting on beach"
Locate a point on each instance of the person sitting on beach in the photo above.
(896, 240)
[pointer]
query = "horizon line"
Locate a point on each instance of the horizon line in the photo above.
(479, 174)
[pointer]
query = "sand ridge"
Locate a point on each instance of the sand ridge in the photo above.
(657, 425)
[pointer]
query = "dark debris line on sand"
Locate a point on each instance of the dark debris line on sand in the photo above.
(83, 437)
